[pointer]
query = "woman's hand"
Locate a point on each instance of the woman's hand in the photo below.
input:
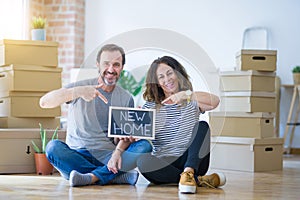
(206, 101)
(115, 162)
(177, 98)
(129, 139)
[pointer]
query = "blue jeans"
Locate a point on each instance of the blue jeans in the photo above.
(65, 159)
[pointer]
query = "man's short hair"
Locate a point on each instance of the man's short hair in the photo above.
(111, 47)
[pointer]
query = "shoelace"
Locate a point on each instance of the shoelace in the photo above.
(189, 177)
(207, 184)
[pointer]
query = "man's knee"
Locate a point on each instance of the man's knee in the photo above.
(147, 146)
(53, 147)
(142, 146)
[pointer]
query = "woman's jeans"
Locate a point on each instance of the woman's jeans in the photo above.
(168, 169)
(65, 159)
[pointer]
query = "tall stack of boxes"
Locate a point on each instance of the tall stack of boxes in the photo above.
(243, 130)
(28, 70)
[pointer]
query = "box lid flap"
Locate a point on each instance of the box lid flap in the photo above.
(27, 133)
(29, 68)
(20, 94)
(247, 73)
(29, 42)
(248, 94)
(246, 140)
(257, 52)
(242, 114)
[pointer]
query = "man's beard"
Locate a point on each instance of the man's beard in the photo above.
(110, 83)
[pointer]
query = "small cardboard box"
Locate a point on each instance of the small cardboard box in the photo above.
(29, 122)
(16, 152)
(246, 154)
(260, 60)
(25, 104)
(29, 78)
(232, 81)
(241, 124)
(248, 102)
(28, 52)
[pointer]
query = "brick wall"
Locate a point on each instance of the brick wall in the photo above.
(36, 8)
(65, 25)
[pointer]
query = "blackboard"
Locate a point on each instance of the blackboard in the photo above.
(135, 122)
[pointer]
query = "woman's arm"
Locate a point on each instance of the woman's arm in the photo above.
(206, 101)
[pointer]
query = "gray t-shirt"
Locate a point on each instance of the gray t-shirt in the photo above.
(87, 124)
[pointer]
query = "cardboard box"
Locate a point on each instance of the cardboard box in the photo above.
(246, 154)
(260, 60)
(16, 152)
(25, 104)
(248, 102)
(250, 80)
(28, 52)
(29, 122)
(240, 124)
(29, 78)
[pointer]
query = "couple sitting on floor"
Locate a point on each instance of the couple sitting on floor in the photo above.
(178, 154)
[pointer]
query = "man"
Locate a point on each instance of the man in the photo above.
(89, 156)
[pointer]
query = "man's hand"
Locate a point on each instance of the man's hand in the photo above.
(115, 162)
(88, 93)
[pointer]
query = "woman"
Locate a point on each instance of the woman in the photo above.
(182, 143)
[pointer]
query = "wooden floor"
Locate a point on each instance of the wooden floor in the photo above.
(283, 184)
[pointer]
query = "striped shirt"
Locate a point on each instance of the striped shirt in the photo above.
(173, 128)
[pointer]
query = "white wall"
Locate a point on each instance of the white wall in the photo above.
(215, 25)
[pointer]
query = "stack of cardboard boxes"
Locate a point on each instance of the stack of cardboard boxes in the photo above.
(28, 69)
(243, 131)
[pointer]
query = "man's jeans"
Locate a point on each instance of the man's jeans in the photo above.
(65, 159)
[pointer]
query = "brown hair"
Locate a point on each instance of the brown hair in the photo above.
(153, 90)
(111, 47)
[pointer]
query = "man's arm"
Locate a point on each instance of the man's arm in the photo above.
(115, 162)
(57, 97)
